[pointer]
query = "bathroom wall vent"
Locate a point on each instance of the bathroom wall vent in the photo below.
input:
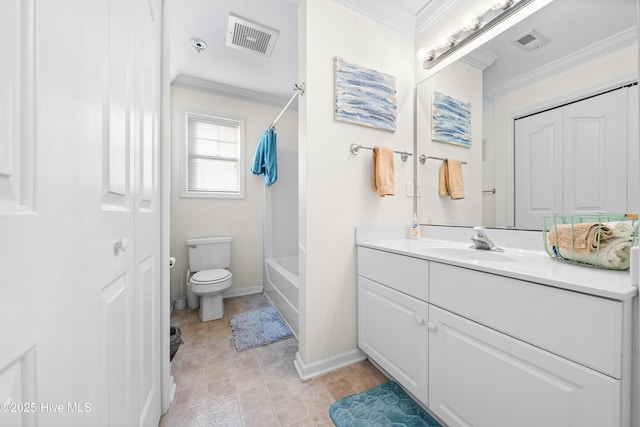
(249, 36)
(531, 41)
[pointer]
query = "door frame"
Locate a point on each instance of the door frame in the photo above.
(168, 385)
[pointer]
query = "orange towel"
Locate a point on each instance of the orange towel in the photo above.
(451, 182)
(382, 171)
(583, 237)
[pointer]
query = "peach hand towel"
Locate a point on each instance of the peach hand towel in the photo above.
(451, 182)
(582, 238)
(382, 171)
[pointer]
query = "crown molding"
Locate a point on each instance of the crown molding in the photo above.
(190, 82)
(386, 13)
(582, 56)
(479, 59)
(431, 12)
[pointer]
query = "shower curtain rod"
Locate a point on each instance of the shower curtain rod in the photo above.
(299, 88)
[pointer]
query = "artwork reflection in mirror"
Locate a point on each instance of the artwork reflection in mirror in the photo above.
(451, 120)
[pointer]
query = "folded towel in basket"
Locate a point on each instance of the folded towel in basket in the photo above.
(615, 254)
(382, 171)
(583, 237)
(586, 237)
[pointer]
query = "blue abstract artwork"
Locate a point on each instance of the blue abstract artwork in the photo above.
(451, 121)
(364, 96)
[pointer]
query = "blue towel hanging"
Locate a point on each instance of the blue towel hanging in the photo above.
(266, 161)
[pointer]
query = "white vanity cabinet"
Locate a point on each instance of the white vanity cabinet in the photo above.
(393, 332)
(485, 350)
(480, 377)
(392, 324)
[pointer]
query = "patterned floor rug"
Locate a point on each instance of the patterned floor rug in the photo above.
(382, 406)
(259, 327)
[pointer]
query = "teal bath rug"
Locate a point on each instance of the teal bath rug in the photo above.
(259, 327)
(382, 406)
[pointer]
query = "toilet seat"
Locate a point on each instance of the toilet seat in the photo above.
(209, 277)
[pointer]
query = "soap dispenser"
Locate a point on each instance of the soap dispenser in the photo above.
(414, 231)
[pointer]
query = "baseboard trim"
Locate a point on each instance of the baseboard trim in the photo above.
(321, 367)
(243, 291)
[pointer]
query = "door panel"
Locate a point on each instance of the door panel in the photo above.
(79, 296)
(487, 379)
(392, 330)
(538, 168)
(633, 171)
(17, 20)
(595, 153)
(574, 160)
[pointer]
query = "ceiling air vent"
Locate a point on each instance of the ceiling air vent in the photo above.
(531, 41)
(248, 36)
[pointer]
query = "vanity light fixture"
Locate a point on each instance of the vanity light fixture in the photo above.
(471, 29)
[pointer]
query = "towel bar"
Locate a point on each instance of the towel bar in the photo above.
(424, 158)
(355, 147)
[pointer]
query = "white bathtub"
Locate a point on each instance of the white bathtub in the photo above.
(281, 288)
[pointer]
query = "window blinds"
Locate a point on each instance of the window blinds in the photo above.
(213, 154)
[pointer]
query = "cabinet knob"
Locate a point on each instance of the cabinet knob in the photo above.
(419, 320)
(431, 326)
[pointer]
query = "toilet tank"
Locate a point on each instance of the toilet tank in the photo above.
(208, 253)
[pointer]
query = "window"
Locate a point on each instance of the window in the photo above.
(214, 152)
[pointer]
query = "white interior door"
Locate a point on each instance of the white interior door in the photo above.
(575, 160)
(595, 154)
(79, 213)
(538, 168)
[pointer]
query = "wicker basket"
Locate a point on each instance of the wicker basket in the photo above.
(601, 241)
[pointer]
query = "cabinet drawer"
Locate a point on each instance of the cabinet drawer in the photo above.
(583, 328)
(403, 273)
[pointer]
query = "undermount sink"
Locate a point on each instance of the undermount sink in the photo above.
(471, 254)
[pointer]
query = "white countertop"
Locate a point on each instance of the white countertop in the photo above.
(532, 266)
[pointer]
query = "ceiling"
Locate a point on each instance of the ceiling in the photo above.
(232, 70)
(565, 23)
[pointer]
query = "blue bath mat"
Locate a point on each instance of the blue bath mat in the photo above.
(382, 406)
(259, 327)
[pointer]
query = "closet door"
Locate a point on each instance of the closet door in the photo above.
(595, 154)
(538, 168)
(633, 172)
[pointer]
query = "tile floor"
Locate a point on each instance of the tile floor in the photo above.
(219, 386)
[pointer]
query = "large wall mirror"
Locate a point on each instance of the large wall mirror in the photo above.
(553, 120)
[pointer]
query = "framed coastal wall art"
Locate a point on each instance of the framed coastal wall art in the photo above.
(365, 97)
(451, 120)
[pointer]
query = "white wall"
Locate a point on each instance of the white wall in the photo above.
(586, 79)
(335, 189)
(240, 219)
(464, 83)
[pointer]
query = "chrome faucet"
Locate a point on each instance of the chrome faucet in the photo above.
(481, 241)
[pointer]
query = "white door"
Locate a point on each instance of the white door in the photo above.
(79, 212)
(392, 330)
(595, 154)
(538, 168)
(573, 160)
(633, 170)
(481, 378)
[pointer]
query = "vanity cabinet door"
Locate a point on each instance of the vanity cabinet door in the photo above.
(392, 330)
(483, 378)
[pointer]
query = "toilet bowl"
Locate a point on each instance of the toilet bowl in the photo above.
(209, 286)
(209, 258)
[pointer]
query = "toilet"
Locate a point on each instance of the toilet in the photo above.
(209, 257)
